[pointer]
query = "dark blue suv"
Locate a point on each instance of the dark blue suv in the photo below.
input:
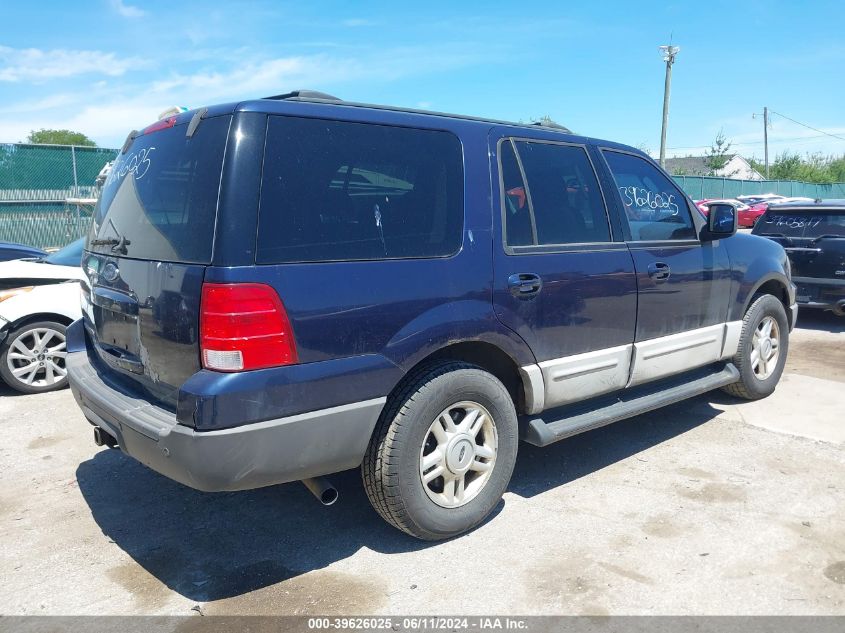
(285, 288)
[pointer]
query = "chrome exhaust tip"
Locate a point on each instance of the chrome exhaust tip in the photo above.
(101, 438)
(321, 488)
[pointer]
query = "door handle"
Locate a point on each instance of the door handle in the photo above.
(525, 284)
(659, 271)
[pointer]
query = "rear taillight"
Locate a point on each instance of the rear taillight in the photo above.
(244, 326)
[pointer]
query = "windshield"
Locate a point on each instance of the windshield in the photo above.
(70, 255)
(159, 201)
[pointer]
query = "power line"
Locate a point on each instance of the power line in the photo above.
(776, 140)
(809, 127)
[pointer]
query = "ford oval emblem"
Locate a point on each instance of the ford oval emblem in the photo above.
(110, 272)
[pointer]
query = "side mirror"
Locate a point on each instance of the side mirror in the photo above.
(721, 222)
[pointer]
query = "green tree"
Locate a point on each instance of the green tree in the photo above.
(59, 137)
(718, 155)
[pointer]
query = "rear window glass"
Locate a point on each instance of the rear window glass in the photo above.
(801, 223)
(334, 191)
(161, 195)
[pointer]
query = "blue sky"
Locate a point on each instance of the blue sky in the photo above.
(105, 67)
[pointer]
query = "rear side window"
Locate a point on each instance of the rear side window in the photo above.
(563, 194)
(801, 223)
(335, 191)
(654, 207)
(161, 195)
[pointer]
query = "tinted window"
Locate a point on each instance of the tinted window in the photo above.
(801, 223)
(70, 255)
(345, 191)
(518, 231)
(161, 195)
(654, 206)
(564, 194)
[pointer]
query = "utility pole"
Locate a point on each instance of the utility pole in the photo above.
(766, 138)
(668, 53)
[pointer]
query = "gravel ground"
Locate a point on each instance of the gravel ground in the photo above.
(711, 506)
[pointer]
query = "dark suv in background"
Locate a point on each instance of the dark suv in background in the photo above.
(284, 288)
(813, 236)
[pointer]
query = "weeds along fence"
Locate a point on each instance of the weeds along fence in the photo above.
(47, 192)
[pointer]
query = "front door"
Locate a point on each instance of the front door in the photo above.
(683, 284)
(561, 280)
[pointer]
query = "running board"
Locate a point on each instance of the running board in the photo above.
(575, 419)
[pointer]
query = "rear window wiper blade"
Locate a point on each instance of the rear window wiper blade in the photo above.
(118, 244)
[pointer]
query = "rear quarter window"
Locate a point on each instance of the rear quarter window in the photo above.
(339, 191)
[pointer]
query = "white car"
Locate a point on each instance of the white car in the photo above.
(39, 298)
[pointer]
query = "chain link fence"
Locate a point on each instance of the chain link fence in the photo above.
(47, 192)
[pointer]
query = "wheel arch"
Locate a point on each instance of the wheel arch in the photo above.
(775, 285)
(486, 356)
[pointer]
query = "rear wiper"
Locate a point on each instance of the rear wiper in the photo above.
(828, 236)
(118, 245)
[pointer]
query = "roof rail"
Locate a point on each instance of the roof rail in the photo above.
(305, 94)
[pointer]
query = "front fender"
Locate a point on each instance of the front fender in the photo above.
(756, 261)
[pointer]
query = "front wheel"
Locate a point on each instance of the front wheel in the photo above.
(443, 451)
(32, 358)
(763, 346)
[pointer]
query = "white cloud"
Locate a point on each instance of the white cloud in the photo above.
(106, 112)
(126, 10)
(107, 123)
(37, 65)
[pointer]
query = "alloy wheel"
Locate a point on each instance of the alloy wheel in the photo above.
(458, 454)
(765, 348)
(36, 357)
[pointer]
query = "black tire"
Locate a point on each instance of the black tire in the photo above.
(20, 333)
(391, 467)
(750, 385)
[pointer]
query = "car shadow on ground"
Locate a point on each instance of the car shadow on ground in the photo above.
(213, 546)
(6, 390)
(820, 320)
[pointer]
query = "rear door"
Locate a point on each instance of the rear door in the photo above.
(150, 242)
(562, 281)
(683, 284)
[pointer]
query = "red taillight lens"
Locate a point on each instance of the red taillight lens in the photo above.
(244, 326)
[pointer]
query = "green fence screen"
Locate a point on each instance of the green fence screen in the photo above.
(698, 187)
(36, 182)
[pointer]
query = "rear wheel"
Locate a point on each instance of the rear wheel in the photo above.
(763, 346)
(32, 358)
(443, 451)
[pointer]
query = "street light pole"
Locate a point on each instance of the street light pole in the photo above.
(668, 53)
(766, 138)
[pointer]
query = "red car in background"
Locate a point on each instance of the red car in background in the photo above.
(746, 215)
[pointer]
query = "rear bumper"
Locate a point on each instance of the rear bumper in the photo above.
(823, 294)
(249, 456)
